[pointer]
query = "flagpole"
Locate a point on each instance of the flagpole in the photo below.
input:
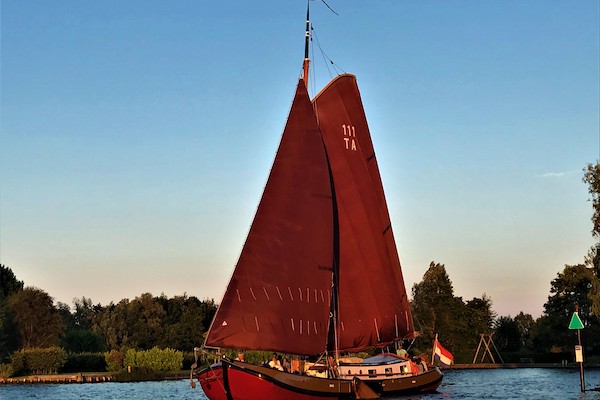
(433, 349)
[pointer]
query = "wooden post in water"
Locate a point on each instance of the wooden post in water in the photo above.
(581, 377)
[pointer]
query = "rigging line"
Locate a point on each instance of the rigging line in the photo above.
(328, 6)
(337, 69)
(325, 58)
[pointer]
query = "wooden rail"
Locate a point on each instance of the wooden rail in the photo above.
(59, 378)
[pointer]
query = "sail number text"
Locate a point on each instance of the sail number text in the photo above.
(349, 137)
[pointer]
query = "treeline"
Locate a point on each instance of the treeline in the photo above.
(545, 339)
(30, 319)
(460, 324)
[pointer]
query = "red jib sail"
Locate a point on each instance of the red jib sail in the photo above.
(373, 307)
(279, 295)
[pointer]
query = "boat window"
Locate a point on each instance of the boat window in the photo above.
(388, 371)
(372, 373)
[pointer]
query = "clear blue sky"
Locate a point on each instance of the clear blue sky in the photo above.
(137, 136)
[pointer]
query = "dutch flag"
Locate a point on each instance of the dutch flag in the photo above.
(442, 355)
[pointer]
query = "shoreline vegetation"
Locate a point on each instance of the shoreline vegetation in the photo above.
(103, 377)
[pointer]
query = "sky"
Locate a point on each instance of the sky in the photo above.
(137, 136)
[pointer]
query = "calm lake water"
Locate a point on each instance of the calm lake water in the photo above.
(535, 383)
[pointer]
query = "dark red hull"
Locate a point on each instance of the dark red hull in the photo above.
(423, 383)
(211, 380)
(240, 381)
(248, 386)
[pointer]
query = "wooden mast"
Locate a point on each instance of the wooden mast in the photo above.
(306, 43)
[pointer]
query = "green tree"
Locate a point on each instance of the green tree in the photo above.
(433, 299)
(507, 335)
(591, 176)
(540, 335)
(82, 341)
(65, 314)
(37, 321)
(480, 316)
(147, 321)
(436, 310)
(182, 323)
(9, 341)
(208, 309)
(8, 283)
(111, 323)
(570, 287)
(525, 322)
(85, 312)
(144, 316)
(134, 324)
(79, 336)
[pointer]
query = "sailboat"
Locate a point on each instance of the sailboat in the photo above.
(319, 273)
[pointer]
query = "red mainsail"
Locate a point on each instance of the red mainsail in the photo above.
(279, 295)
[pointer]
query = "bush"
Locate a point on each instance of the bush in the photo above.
(130, 359)
(6, 370)
(155, 359)
(18, 363)
(38, 361)
(85, 362)
(114, 360)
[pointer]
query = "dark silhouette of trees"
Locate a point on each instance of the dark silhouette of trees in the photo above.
(437, 311)
(507, 335)
(184, 321)
(525, 323)
(37, 320)
(147, 321)
(79, 336)
(591, 176)
(570, 287)
(8, 283)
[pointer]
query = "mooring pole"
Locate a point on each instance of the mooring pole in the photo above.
(580, 357)
(577, 324)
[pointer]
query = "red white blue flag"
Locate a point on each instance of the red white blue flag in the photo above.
(442, 355)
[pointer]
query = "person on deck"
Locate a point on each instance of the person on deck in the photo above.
(285, 364)
(421, 364)
(274, 363)
(402, 353)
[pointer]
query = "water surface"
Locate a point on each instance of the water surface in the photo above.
(526, 383)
